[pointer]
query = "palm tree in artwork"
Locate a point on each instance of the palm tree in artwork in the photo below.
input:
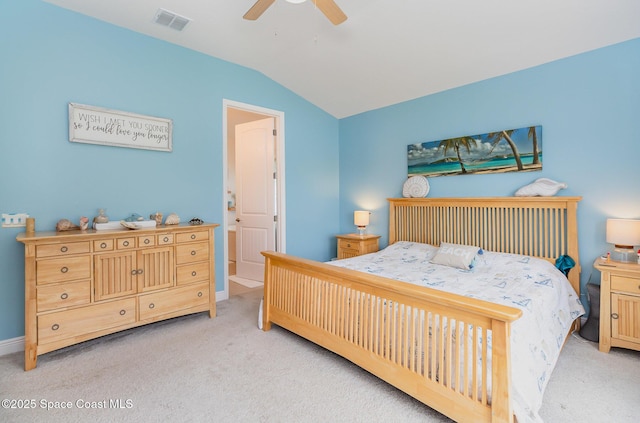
(534, 137)
(496, 137)
(455, 144)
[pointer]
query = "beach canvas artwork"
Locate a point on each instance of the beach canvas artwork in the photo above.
(508, 150)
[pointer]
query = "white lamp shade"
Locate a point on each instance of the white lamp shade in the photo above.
(360, 218)
(623, 232)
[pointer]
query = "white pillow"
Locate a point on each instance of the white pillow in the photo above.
(456, 255)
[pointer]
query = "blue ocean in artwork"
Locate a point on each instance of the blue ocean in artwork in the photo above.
(443, 168)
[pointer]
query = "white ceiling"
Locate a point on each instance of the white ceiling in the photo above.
(387, 51)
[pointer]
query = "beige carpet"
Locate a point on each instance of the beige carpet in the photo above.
(196, 369)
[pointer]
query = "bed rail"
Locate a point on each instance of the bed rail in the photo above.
(429, 344)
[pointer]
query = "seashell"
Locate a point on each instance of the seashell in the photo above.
(134, 217)
(65, 225)
(172, 219)
(416, 186)
(84, 223)
(542, 187)
(196, 221)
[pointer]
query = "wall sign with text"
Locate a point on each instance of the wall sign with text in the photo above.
(96, 125)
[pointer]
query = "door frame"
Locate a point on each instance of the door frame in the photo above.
(280, 179)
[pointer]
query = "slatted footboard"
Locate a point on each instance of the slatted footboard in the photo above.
(430, 344)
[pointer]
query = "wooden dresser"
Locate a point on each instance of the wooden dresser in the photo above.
(619, 304)
(81, 285)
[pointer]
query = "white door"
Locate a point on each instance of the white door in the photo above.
(255, 196)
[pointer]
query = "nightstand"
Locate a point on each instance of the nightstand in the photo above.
(351, 245)
(619, 304)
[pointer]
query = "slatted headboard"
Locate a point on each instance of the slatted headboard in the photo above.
(544, 227)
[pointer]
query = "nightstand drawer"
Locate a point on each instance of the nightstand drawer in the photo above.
(625, 284)
(345, 244)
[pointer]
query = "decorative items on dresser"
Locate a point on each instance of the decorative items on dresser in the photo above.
(81, 285)
(351, 245)
(619, 304)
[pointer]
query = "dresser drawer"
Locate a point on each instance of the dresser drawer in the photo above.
(159, 303)
(146, 241)
(191, 253)
(190, 273)
(165, 239)
(63, 269)
(70, 323)
(103, 245)
(53, 250)
(125, 243)
(625, 284)
(192, 236)
(50, 297)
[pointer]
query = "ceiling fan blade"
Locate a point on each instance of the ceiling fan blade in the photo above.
(331, 11)
(258, 9)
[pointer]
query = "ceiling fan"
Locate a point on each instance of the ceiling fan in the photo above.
(328, 7)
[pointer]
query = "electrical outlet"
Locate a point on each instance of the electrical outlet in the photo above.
(14, 220)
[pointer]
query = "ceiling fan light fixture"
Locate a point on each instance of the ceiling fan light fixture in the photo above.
(296, 1)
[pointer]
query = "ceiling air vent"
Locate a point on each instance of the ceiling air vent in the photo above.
(170, 19)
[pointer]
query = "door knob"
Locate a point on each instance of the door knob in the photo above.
(237, 219)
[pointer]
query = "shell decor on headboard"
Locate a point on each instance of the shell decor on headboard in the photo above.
(542, 187)
(416, 186)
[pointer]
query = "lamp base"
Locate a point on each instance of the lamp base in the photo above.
(624, 254)
(362, 230)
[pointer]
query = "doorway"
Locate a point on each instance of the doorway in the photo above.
(242, 116)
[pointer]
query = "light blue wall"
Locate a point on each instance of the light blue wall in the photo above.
(589, 109)
(51, 56)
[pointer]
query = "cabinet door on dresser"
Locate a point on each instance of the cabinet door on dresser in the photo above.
(625, 317)
(155, 269)
(115, 275)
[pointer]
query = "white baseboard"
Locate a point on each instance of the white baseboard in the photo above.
(13, 345)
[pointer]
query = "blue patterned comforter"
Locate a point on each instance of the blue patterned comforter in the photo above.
(546, 298)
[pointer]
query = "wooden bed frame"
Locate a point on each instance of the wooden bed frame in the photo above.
(379, 323)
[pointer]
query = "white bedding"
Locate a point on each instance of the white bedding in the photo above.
(546, 298)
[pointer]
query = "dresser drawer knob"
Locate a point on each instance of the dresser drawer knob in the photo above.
(134, 272)
(103, 245)
(123, 312)
(348, 245)
(614, 315)
(146, 241)
(166, 239)
(193, 236)
(126, 243)
(152, 305)
(65, 269)
(64, 296)
(200, 294)
(64, 249)
(193, 252)
(140, 271)
(55, 327)
(193, 273)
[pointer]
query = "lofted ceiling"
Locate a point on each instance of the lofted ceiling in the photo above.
(387, 51)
